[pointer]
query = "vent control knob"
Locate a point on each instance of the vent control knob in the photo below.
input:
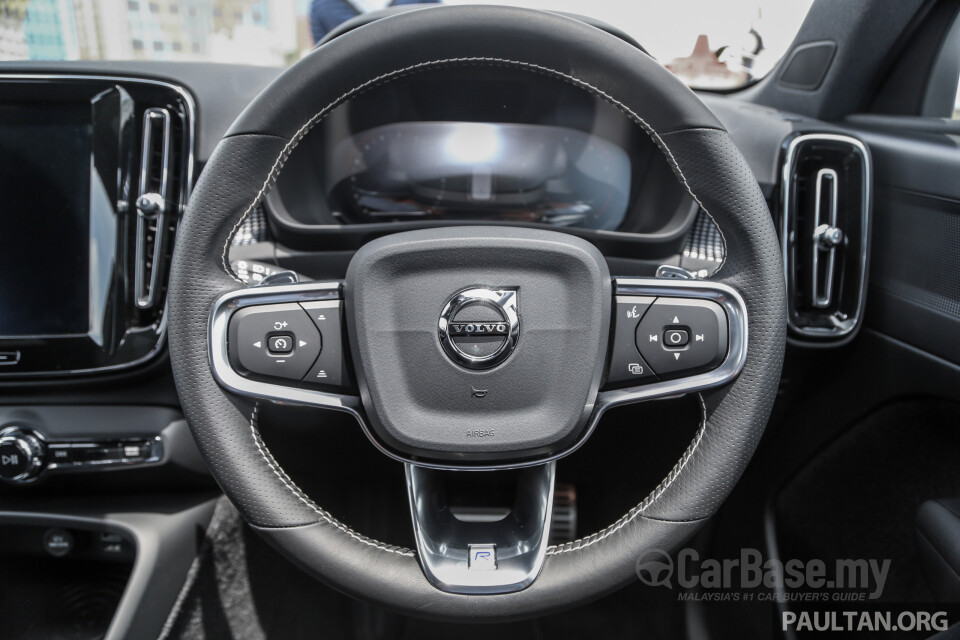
(828, 237)
(150, 205)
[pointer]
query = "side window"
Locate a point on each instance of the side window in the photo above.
(956, 103)
(942, 97)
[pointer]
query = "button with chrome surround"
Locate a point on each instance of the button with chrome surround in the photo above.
(21, 455)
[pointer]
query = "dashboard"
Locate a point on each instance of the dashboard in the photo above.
(116, 154)
(117, 146)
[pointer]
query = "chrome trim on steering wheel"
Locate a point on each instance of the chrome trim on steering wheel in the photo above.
(504, 303)
(225, 374)
(727, 297)
(730, 368)
(515, 545)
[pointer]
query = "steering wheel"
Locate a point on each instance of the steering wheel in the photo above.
(481, 348)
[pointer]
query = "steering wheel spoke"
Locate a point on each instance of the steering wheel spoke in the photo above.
(287, 343)
(283, 343)
(483, 532)
(672, 337)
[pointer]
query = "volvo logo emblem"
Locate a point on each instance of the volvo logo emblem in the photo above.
(479, 328)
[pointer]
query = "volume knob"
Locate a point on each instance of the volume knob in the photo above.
(21, 455)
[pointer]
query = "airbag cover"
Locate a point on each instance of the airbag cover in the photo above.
(424, 404)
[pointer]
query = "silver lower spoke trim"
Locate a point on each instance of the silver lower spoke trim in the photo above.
(472, 555)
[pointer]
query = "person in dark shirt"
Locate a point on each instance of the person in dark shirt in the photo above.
(326, 15)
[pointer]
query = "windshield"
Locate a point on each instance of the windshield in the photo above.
(708, 44)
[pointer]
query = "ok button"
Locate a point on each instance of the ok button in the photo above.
(676, 338)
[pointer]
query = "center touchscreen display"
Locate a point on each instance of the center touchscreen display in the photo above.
(44, 219)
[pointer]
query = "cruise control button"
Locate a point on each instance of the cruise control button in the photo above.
(681, 336)
(626, 364)
(276, 340)
(280, 344)
(330, 366)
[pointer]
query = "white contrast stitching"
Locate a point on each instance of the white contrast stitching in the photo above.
(309, 124)
(648, 502)
(298, 492)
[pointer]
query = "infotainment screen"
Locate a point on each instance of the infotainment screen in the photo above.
(45, 233)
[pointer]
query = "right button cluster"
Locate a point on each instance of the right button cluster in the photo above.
(675, 337)
(682, 336)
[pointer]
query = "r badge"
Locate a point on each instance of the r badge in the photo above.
(483, 557)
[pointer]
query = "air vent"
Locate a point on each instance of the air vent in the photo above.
(825, 232)
(159, 201)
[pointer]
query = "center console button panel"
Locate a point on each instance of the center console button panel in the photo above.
(26, 453)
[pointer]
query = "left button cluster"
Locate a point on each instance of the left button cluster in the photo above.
(276, 340)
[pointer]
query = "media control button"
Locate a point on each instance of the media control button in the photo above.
(683, 336)
(676, 338)
(61, 453)
(21, 454)
(14, 458)
(97, 452)
(277, 340)
(626, 363)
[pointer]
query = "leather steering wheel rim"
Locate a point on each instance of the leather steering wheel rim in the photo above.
(245, 165)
